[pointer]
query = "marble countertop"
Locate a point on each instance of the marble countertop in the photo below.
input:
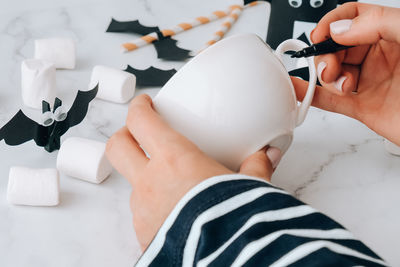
(335, 164)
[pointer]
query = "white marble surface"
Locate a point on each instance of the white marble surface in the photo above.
(335, 164)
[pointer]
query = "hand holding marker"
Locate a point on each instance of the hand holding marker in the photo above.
(325, 47)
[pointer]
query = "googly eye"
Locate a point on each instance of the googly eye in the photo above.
(316, 3)
(47, 119)
(295, 3)
(60, 114)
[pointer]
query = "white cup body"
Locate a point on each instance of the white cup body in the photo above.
(232, 100)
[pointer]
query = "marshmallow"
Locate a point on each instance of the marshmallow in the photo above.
(114, 85)
(392, 148)
(33, 187)
(59, 51)
(38, 82)
(84, 159)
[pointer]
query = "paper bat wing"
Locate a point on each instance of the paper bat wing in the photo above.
(130, 27)
(166, 46)
(78, 111)
(151, 76)
(168, 50)
(21, 129)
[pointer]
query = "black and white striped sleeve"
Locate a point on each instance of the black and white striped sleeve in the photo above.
(235, 220)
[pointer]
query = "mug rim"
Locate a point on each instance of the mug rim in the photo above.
(220, 43)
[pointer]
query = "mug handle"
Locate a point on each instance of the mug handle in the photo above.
(296, 45)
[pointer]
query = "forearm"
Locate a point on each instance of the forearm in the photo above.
(234, 220)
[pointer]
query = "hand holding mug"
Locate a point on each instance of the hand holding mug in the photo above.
(362, 82)
(174, 167)
(234, 102)
(235, 98)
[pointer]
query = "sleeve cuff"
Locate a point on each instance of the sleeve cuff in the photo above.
(202, 197)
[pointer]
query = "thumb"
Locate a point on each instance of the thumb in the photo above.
(368, 28)
(262, 163)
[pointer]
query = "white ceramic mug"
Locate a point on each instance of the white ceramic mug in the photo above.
(235, 98)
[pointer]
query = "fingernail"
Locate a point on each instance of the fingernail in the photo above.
(321, 67)
(274, 155)
(341, 26)
(339, 83)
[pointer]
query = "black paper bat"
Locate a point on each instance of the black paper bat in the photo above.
(285, 12)
(151, 76)
(166, 47)
(21, 129)
(130, 27)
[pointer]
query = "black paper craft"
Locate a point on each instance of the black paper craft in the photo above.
(151, 76)
(166, 47)
(130, 27)
(21, 129)
(284, 13)
(302, 73)
(303, 37)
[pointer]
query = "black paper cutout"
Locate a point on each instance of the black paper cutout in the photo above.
(283, 16)
(168, 50)
(166, 47)
(302, 73)
(130, 27)
(57, 104)
(45, 107)
(151, 77)
(303, 37)
(21, 129)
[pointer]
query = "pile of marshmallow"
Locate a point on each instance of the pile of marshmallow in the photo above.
(39, 75)
(78, 157)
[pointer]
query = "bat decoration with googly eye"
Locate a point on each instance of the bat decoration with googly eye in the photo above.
(166, 47)
(284, 14)
(58, 113)
(21, 129)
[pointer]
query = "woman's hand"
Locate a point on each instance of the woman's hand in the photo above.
(362, 82)
(175, 165)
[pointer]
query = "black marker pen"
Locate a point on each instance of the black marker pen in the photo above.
(326, 47)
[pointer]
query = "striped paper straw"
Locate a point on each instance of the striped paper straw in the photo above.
(226, 26)
(148, 39)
